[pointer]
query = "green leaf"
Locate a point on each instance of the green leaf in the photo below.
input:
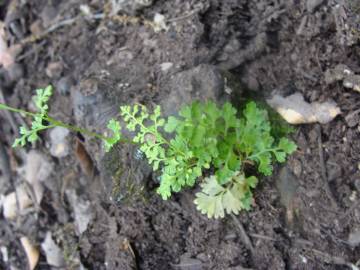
(171, 124)
(115, 127)
(287, 146)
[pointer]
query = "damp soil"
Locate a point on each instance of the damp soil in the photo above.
(260, 47)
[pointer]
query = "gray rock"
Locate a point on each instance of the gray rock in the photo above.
(203, 82)
(352, 81)
(64, 85)
(312, 5)
(187, 263)
(82, 210)
(59, 146)
(353, 118)
(54, 255)
(354, 238)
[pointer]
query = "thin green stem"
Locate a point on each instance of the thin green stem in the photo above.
(55, 122)
(11, 109)
(262, 152)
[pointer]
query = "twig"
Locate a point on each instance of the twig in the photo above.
(193, 12)
(243, 235)
(324, 171)
(263, 237)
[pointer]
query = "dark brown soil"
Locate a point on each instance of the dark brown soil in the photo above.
(266, 45)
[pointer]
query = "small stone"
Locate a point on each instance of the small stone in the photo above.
(353, 118)
(54, 255)
(64, 85)
(166, 66)
(354, 238)
(54, 70)
(59, 146)
(337, 74)
(312, 5)
(187, 263)
(352, 81)
(15, 72)
(10, 204)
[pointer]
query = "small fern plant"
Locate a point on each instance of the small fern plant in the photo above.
(205, 143)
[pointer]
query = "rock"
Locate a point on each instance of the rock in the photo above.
(129, 6)
(59, 146)
(353, 118)
(36, 170)
(159, 23)
(312, 5)
(187, 263)
(337, 74)
(203, 82)
(5, 253)
(64, 85)
(354, 238)
(82, 211)
(295, 110)
(166, 66)
(352, 81)
(54, 70)
(32, 253)
(10, 205)
(54, 255)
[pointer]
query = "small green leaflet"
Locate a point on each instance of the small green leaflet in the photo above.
(215, 200)
(40, 99)
(115, 127)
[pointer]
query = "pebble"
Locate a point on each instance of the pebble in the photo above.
(10, 206)
(15, 72)
(354, 238)
(54, 255)
(64, 85)
(353, 82)
(59, 147)
(166, 66)
(54, 70)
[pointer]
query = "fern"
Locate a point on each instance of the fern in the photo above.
(203, 138)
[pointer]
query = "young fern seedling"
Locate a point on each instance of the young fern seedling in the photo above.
(42, 121)
(205, 141)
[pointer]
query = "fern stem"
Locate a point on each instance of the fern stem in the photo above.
(55, 122)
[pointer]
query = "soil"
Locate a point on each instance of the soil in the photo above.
(304, 217)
